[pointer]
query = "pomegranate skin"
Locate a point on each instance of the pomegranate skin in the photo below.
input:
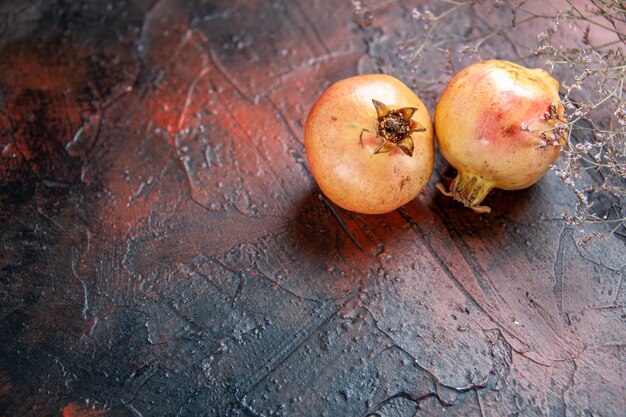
(341, 141)
(494, 123)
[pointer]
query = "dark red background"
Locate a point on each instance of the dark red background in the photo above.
(165, 250)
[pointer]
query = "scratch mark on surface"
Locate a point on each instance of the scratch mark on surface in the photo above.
(145, 187)
(249, 410)
(219, 66)
(263, 275)
(256, 272)
(316, 34)
(115, 98)
(142, 29)
(404, 395)
(208, 279)
(558, 271)
(152, 367)
(237, 290)
(501, 334)
(92, 327)
(85, 300)
(43, 214)
(596, 263)
(185, 38)
(568, 386)
(205, 69)
(480, 404)
(392, 346)
(85, 295)
(618, 291)
(308, 64)
(342, 224)
(133, 410)
(283, 120)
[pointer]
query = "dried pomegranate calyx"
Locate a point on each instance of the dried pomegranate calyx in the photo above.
(468, 189)
(395, 127)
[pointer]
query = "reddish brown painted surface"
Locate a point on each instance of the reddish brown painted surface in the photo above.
(165, 250)
(75, 410)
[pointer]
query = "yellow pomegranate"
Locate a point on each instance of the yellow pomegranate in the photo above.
(498, 123)
(369, 143)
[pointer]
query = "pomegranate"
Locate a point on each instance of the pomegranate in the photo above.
(369, 143)
(501, 126)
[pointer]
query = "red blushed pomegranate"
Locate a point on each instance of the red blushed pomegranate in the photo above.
(369, 144)
(500, 125)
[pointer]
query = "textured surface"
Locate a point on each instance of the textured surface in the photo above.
(165, 250)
